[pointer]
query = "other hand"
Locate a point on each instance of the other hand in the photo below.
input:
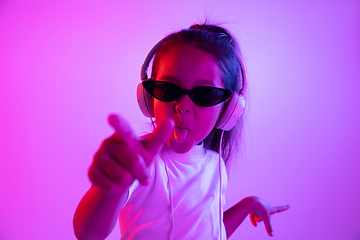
(263, 211)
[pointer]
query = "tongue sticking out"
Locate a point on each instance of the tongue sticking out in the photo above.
(180, 134)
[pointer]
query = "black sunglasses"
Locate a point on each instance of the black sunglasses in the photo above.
(203, 96)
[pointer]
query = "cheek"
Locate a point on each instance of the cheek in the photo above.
(217, 110)
(221, 110)
(210, 116)
(162, 110)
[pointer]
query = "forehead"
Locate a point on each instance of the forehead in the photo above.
(187, 65)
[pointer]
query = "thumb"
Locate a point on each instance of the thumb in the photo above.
(155, 140)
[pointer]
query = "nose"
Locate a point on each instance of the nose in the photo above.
(183, 104)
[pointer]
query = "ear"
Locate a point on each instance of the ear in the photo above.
(231, 113)
(145, 101)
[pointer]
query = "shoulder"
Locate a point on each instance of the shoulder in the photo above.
(211, 153)
(212, 156)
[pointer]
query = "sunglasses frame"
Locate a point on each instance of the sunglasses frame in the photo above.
(150, 84)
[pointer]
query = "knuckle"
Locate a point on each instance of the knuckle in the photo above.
(111, 188)
(126, 180)
(98, 157)
(94, 176)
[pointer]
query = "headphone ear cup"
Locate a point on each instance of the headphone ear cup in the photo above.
(145, 101)
(231, 113)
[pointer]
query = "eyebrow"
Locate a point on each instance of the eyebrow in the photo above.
(168, 77)
(201, 82)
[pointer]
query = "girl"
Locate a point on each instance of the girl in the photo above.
(170, 184)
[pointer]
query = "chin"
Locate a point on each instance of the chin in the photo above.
(179, 148)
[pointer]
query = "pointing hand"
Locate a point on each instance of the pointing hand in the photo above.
(122, 158)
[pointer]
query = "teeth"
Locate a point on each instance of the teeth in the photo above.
(180, 134)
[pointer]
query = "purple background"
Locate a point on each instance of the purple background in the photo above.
(65, 65)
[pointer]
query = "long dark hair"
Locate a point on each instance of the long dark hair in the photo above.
(219, 42)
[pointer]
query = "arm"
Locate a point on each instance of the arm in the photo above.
(120, 160)
(257, 208)
(96, 214)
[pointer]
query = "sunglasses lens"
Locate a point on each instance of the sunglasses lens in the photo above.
(163, 91)
(209, 96)
(202, 96)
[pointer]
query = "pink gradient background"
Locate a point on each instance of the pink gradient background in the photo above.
(65, 66)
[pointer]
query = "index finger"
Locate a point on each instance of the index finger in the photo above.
(123, 131)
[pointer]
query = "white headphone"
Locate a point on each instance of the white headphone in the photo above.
(229, 116)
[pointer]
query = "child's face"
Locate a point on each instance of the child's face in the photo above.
(188, 67)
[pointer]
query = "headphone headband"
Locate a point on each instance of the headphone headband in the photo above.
(148, 59)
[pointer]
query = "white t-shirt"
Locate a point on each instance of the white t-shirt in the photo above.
(181, 200)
